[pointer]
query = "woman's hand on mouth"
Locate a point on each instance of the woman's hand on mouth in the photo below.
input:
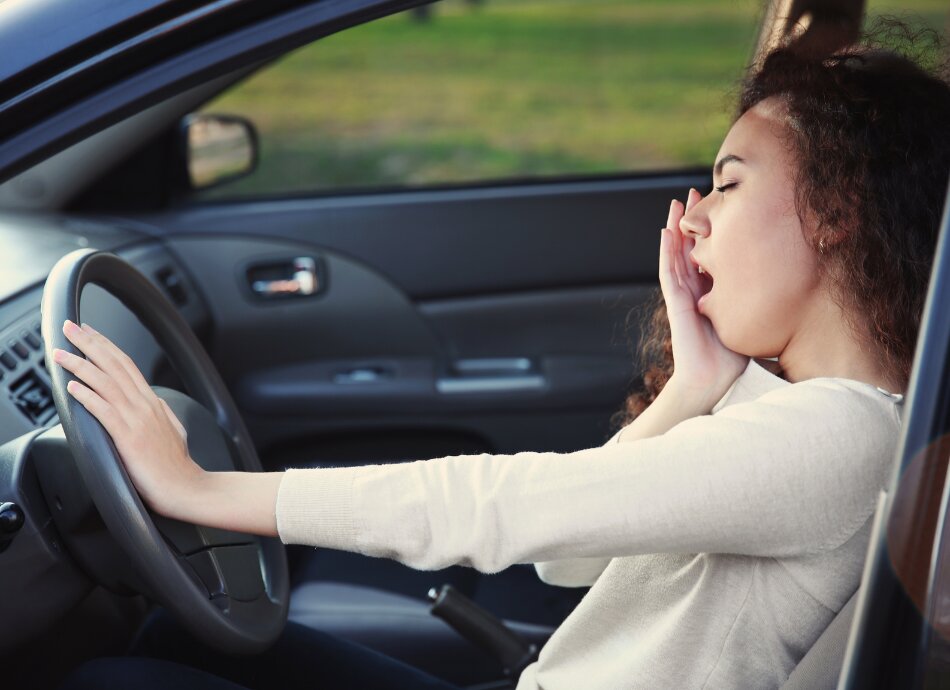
(704, 368)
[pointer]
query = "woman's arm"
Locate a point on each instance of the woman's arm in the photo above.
(704, 368)
(795, 472)
(154, 448)
(669, 409)
(702, 358)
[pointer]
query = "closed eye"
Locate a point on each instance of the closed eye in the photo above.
(722, 189)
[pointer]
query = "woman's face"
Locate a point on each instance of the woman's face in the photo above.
(749, 239)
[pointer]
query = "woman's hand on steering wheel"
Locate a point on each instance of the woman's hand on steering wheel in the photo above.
(149, 437)
(153, 444)
(704, 368)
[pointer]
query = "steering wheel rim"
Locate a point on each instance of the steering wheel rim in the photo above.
(229, 624)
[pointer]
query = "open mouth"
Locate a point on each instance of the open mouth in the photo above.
(706, 281)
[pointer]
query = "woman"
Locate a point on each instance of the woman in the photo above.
(723, 527)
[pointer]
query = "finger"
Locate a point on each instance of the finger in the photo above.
(675, 214)
(121, 357)
(693, 198)
(94, 353)
(683, 272)
(673, 222)
(97, 407)
(104, 358)
(667, 281)
(689, 242)
(679, 259)
(673, 294)
(676, 252)
(92, 376)
(119, 389)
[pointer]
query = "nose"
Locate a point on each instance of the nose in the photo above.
(695, 222)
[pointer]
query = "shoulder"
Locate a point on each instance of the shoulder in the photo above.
(844, 411)
(839, 394)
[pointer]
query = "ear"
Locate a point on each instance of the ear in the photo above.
(828, 240)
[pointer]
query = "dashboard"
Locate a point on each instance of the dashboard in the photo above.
(31, 246)
(46, 583)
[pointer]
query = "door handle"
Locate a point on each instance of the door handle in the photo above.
(492, 375)
(297, 277)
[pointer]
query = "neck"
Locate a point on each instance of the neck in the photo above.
(824, 345)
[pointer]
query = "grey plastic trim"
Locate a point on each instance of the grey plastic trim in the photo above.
(466, 366)
(494, 384)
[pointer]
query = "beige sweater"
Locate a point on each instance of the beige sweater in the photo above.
(717, 552)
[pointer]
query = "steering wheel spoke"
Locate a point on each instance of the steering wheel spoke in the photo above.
(232, 571)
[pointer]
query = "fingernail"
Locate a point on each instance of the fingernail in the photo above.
(58, 355)
(69, 326)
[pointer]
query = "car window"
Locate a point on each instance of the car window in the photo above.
(917, 13)
(479, 90)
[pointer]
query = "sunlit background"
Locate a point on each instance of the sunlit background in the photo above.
(483, 90)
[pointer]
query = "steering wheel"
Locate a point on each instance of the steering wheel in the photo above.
(230, 590)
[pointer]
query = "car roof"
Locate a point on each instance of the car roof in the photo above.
(34, 31)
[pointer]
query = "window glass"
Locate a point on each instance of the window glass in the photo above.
(474, 90)
(917, 13)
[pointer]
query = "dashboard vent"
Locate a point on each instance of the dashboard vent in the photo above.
(172, 284)
(32, 397)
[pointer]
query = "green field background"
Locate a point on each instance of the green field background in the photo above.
(504, 89)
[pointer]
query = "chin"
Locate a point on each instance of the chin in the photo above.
(736, 339)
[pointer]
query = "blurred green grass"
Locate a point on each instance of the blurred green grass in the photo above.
(504, 89)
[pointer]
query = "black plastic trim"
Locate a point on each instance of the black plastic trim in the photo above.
(889, 648)
(47, 118)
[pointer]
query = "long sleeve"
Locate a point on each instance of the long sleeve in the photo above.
(574, 572)
(794, 472)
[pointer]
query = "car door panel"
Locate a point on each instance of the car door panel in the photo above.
(478, 312)
(473, 241)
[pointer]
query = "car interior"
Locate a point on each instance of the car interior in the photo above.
(351, 324)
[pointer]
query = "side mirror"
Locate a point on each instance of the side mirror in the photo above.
(217, 149)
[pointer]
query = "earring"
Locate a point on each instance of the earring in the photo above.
(821, 246)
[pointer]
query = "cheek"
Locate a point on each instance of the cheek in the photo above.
(754, 323)
(762, 301)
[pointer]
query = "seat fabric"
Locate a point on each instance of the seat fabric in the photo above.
(402, 628)
(821, 666)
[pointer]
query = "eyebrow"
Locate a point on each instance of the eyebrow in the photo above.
(720, 164)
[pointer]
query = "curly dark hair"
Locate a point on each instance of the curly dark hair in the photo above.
(868, 128)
